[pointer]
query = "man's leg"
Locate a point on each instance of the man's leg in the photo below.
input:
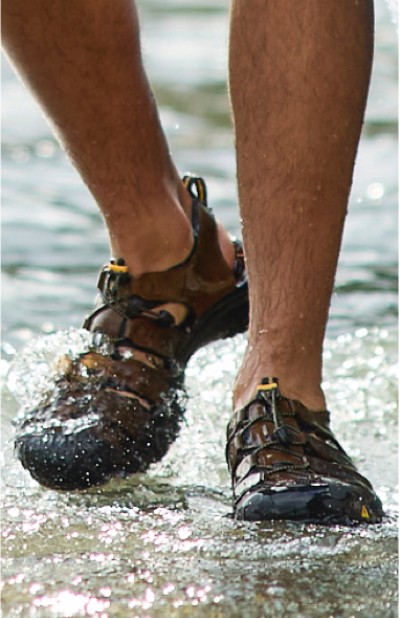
(83, 63)
(299, 74)
(178, 281)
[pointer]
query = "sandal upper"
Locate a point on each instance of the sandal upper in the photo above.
(198, 283)
(277, 442)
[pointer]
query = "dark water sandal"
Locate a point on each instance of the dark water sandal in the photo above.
(286, 464)
(116, 408)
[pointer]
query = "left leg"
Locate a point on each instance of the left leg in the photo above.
(177, 280)
(299, 75)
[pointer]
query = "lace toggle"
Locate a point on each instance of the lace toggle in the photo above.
(268, 391)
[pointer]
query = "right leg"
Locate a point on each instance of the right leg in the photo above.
(82, 60)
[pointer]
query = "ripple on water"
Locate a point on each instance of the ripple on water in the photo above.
(161, 543)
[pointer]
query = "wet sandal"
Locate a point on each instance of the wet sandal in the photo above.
(286, 464)
(115, 409)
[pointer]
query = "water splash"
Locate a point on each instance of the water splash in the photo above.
(161, 544)
(32, 372)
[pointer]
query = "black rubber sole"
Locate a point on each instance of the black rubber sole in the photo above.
(330, 503)
(60, 457)
(68, 462)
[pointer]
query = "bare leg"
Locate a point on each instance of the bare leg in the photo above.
(299, 75)
(299, 78)
(82, 61)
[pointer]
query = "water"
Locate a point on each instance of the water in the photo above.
(162, 544)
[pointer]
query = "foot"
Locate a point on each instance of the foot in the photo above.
(116, 409)
(286, 464)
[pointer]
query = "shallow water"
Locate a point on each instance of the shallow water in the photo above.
(163, 544)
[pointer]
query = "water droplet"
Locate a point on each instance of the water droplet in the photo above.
(375, 191)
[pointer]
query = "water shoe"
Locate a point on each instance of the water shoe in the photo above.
(116, 408)
(286, 464)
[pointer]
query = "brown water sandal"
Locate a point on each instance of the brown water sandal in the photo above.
(116, 409)
(286, 464)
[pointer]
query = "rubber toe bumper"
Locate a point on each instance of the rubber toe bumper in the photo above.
(330, 503)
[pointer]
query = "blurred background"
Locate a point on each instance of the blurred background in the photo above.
(161, 544)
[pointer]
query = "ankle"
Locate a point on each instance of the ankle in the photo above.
(159, 235)
(297, 382)
(153, 243)
(310, 395)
